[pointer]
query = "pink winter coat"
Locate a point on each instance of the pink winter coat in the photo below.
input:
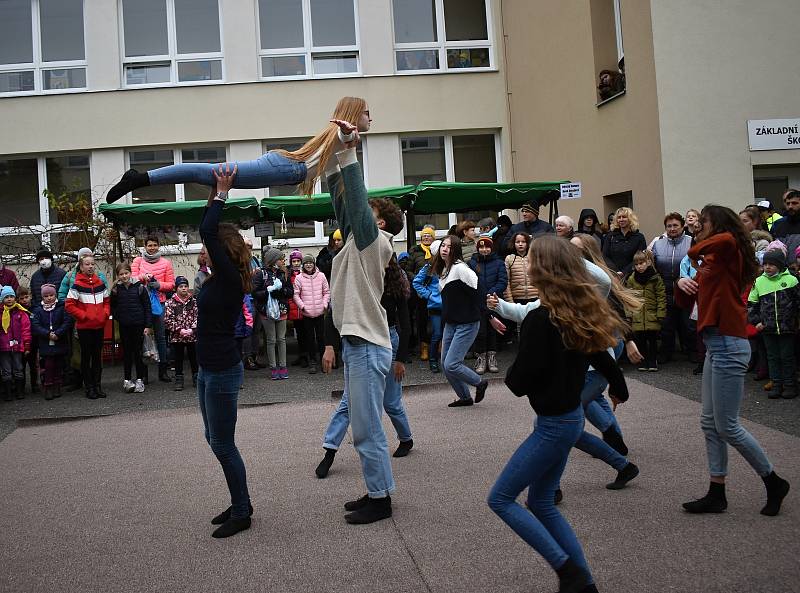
(311, 293)
(161, 271)
(19, 331)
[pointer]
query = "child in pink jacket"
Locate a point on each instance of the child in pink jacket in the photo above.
(15, 342)
(312, 295)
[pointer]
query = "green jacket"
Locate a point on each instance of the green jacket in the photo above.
(773, 301)
(649, 317)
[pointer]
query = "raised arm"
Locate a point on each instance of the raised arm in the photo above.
(209, 227)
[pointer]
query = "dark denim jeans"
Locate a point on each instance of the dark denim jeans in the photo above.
(537, 465)
(218, 394)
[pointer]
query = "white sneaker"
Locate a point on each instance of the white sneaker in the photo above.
(127, 386)
(139, 388)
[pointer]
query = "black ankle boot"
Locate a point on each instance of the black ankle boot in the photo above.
(163, 373)
(713, 502)
(231, 527)
(130, 181)
(374, 509)
(403, 448)
(20, 392)
(625, 475)
(226, 515)
(777, 489)
(325, 464)
(7, 391)
(572, 578)
(614, 440)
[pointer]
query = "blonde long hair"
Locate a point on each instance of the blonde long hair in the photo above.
(591, 252)
(633, 220)
(586, 321)
(348, 109)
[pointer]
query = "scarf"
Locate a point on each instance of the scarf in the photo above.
(7, 314)
(151, 259)
(49, 308)
(426, 249)
(644, 276)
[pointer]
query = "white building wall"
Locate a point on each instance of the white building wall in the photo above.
(102, 42)
(240, 40)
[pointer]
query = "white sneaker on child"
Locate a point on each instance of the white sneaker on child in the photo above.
(127, 386)
(139, 388)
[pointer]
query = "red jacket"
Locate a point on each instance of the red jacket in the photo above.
(89, 302)
(719, 297)
(294, 311)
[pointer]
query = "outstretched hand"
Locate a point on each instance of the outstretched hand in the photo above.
(224, 177)
(347, 128)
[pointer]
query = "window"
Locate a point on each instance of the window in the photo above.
(462, 157)
(441, 35)
(307, 38)
(171, 42)
(609, 56)
(309, 229)
(27, 216)
(147, 159)
(41, 46)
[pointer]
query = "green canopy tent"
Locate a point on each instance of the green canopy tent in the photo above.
(319, 207)
(185, 215)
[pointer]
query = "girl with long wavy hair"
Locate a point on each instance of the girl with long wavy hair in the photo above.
(727, 267)
(277, 167)
(219, 306)
(571, 329)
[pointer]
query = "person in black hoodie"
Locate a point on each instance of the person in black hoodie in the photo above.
(588, 224)
(556, 349)
(623, 241)
(492, 278)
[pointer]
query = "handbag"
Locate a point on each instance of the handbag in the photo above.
(156, 308)
(273, 307)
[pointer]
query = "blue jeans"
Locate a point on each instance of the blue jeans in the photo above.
(726, 363)
(599, 449)
(392, 403)
(435, 315)
(456, 341)
(537, 465)
(595, 406)
(161, 338)
(366, 366)
(218, 394)
(269, 169)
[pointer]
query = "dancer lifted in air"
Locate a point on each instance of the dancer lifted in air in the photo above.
(277, 167)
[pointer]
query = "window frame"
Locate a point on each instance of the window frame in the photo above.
(442, 45)
(39, 66)
(450, 165)
(44, 205)
(172, 57)
(308, 51)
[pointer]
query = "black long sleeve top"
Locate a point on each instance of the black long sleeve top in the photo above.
(549, 374)
(397, 315)
(219, 304)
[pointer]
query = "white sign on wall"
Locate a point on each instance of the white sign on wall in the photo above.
(570, 191)
(773, 134)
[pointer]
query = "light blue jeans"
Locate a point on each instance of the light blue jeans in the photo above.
(366, 367)
(725, 367)
(456, 341)
(537, 465)
(595, 406)
(269, 169)
(392, 403)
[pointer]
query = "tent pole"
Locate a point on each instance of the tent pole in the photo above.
(411, 233)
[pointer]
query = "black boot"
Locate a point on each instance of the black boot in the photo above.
(163, 373)
(20, 392)
(48, 392)
(614, 440)
(789, 389)
(403, 448)
(572, 578)
(178, 383)
(625, 475)
(713, 502)
(373, 509)
(98, 387)
(130, 181)
(7, 392)
(226, 515)
(325, 464)
(90, 392)
(231, 527)
(76, 382)
(777, 489)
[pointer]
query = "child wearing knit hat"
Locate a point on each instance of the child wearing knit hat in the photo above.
(51, 327)
(296, 318)
(15, 342)
(312, 295)
(180, 318)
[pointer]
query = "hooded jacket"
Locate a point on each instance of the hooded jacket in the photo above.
(88, 302)
(519, 285)
(492, 277)
(130, 305)
(773, 301)
(586, 213)
(427, 287)
(19, 331)
(668, 254)
(180, 315)
(57, 321)
(263, 281)
(69, 278)
(654, 310)
(311, 293)
(161, 270)
(53, 275)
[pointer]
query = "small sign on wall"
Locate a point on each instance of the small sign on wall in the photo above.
(571, 191)
(264, 229)
(774, 134)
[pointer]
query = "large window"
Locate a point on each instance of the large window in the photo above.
(609, 55)
(41, 46)
(152, 158)
(458, 157)
(171, 42)
(25, 210)
(441, 35)
(307, 38)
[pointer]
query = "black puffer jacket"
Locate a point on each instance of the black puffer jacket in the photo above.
(619, 249)
(130, 305)
(325, 261)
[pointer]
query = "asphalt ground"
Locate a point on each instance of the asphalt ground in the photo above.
(123, 502)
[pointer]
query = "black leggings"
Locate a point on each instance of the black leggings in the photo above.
(132, 337)
(91, 341)
(486, 340)
(179, 348)
(647, 342)
(315, 337)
